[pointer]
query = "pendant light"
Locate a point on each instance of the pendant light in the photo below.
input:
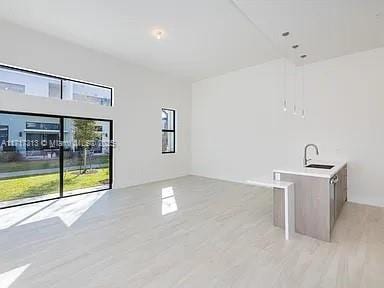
(297, 79)
(302, 112)
(302, 93)
(285, 87)
(285, 94)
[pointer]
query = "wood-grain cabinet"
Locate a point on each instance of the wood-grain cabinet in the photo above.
(318, 203)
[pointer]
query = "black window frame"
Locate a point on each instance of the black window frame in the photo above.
(61, 153)
(18, 69)
(6, 128)
(173, 131)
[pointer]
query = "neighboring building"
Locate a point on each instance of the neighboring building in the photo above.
(36, 85)
(38, 137)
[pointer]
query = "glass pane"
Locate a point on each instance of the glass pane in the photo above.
(76, 91)
(29, 158)
(168, 142)
(86, 155)
(167, 118)
(20, 82)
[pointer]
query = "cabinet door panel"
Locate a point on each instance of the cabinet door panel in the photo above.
(311, 205)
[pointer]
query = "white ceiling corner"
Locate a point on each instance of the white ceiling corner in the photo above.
(323, 28)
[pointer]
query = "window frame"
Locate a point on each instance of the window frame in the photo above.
(173, 131)
(61, 154)
(62, 79)
(5, 128)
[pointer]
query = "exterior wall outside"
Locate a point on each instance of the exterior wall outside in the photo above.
(17, 128)
(17, 132)
(36, 85)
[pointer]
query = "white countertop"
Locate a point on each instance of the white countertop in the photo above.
(315, 172)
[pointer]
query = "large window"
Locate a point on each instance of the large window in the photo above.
(168, 119)
(29, 83)
(44, 157)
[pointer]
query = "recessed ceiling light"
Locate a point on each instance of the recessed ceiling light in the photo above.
(295, 46)
(285, 34)
(158, 33)
(303, 56)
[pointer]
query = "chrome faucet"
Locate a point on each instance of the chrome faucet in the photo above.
(305, 153)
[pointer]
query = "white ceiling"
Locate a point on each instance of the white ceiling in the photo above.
(204, 37)
(323, 28)
(207, 37)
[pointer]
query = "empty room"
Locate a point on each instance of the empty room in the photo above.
(195, 143)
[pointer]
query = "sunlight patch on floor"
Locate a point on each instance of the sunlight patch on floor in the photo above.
(69, 210)
(168, 201)
(9, 277)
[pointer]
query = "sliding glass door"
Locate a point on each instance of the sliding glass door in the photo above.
(86, 155)
(44, 157)
(29, 158)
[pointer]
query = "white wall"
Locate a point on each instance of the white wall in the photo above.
(139, 95)
(239, 130)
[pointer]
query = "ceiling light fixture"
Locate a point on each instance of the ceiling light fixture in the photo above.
(158, 33)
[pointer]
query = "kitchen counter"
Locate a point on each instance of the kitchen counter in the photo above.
(315, 172)
(319, 197)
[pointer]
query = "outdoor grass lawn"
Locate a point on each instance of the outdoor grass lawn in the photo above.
(31, 186)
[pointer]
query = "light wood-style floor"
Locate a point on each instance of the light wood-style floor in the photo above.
(221, 235)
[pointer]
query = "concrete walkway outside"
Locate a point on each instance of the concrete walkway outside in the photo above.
(43, 171)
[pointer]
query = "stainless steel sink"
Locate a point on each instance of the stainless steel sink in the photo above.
(320, 166)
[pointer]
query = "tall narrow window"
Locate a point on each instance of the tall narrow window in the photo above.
(168, 130)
